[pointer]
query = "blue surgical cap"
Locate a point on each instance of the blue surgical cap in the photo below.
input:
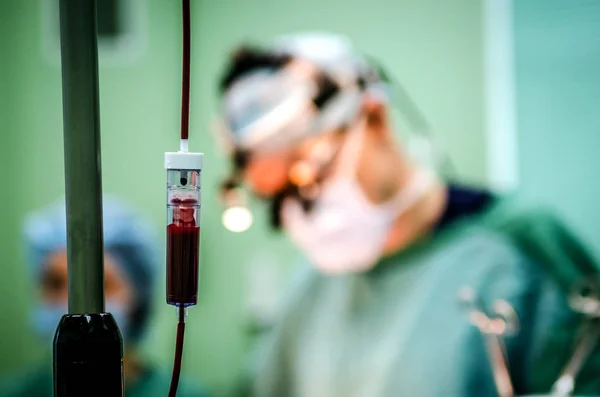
(128, 238)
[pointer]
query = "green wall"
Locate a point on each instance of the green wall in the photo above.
(15, 348)
(558, 92)
(433, 47)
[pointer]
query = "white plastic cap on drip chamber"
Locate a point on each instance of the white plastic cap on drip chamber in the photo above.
(184, 175)
(184, 161)
(184, 183)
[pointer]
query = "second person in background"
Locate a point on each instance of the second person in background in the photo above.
(130, 268)
(306, 122)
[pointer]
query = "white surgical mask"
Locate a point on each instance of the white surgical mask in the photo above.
(344, 232)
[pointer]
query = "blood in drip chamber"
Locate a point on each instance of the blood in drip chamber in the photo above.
(183, 236)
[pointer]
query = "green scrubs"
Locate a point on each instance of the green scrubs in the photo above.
(398, 330)
(152, 383)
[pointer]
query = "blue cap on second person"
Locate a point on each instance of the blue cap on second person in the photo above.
(127, 236)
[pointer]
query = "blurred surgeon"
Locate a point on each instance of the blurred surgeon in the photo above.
(130, 269)
(306, 123)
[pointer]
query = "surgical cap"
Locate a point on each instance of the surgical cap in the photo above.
(127, 237)
(265, 106)
(331, 52)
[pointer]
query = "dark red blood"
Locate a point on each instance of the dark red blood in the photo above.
(182, 264)
(187, 200)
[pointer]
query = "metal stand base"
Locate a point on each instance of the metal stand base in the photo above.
(88, 356)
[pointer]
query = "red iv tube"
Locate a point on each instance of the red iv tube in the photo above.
(183, 230)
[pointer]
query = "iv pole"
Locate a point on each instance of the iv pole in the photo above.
(88, 346)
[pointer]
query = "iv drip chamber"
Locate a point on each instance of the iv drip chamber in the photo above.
(184, 172)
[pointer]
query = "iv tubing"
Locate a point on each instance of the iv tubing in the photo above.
(178, 352)
(185, 76)
(185, 117)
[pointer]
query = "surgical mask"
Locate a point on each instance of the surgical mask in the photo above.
(344, 232)
(45, 318)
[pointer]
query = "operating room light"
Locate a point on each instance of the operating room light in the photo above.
(237, 219)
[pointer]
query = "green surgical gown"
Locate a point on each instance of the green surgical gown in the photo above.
(398, 330)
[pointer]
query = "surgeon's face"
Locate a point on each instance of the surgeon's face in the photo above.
(268, 173)
(54, 282)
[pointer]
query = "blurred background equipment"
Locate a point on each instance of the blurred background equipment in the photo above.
(584, 299)
(122, 31)
(493, 327)
(450, 57)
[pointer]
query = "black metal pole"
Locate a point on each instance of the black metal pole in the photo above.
(88, 347)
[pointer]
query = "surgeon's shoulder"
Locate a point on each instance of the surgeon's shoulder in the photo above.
(512, 212)
(539, 233)
(528, 223)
